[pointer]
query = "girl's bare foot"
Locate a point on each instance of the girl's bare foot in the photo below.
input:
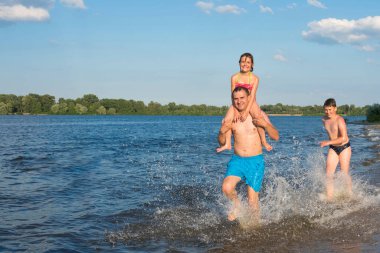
(222, 148)
(267, 147)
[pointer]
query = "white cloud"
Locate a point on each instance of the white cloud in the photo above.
(366, 48)
(74, 3)
(359, 33)
(265, 9)
(316, 3)
(229, 9)
(208, 7)
(280, 57)
(22, 13)
(205, 6)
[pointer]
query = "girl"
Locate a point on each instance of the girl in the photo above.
(245, 78)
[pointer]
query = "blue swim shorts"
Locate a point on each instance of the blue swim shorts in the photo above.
(249, 169)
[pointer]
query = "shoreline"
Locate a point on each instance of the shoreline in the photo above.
(286, 114)
(365, 123)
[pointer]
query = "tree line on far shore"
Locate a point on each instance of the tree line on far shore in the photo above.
(90, 104)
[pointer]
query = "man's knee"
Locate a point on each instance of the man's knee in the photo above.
(228, 188)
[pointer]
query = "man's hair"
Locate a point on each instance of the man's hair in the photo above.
(330, 102)
(239, 88)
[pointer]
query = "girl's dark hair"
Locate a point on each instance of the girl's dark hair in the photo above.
(248, 55)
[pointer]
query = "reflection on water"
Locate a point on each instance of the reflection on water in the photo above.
(152, 184)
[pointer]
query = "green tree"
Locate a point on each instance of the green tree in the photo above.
(373, 113)
(154, 108)
(3, 108)
(80, 109)
(54, 108)
(31, 104)
(111, 111)
(46, 103)
(89, 99)
(101, 110)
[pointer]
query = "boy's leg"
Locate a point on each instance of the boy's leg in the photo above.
(228, 118)
(331, 163)
(344, 160)
(229, 190)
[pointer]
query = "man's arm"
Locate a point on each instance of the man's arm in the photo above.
(269, 128)
(222, 132)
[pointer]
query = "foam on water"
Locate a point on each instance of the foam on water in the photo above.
(291, 209)
(301, 194)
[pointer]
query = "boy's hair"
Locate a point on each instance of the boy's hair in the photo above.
(248, 55)
(239, 88)
(330, 102)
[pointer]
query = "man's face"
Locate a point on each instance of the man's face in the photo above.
(330, 111)
(240, 100)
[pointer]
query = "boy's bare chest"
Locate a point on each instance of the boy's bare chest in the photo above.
(331, 126)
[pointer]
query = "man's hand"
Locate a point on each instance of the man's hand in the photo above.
(243, 116)
(269, 128)
(260, 122)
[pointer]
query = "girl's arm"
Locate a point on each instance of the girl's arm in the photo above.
(252, 98)
(236, 112)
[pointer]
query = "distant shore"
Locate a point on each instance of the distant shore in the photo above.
(364, 122)
(285, 114)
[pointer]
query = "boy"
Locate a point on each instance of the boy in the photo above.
(339, 151)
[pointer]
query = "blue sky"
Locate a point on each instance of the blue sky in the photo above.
(186, 51)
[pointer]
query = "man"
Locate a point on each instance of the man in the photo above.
(248, 162)
(339, 151)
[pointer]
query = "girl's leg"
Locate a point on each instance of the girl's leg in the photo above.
(228, 118)
(256, 112)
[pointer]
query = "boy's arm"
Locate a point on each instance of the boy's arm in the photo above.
(269, 128)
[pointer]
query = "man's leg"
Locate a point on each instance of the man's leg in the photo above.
(253, 201)
(229, 189)
(344, 160)
(331, 163)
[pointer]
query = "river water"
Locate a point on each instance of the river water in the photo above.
(152, 184)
